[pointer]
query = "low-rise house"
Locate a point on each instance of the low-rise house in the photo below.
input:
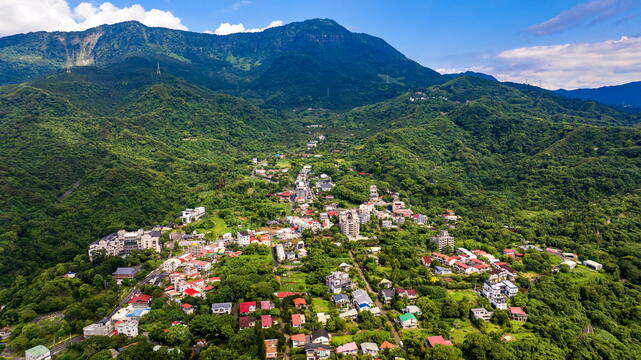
(593, 265)
(320, 337)
(125, 272)
(187, 308)
(171, 265)
(322, 317)
(516, 313)
(271, 348)
(221, 308)
(385, 284)
(439, 270)
(298, 320)
(481, 314)
(266, 305)
(408, 321)
(246, 322)
(298, 340)
(39, 352)
(413, 309)
(409, 294)
(247, 307)
(340, 300)
(140, 301)
(266, 321)
(345, 267)
(426, 260)
(369, 348)
(338, 282)
(191, 215)
(433, 341)
(317, 351)
(386, 345)
(243, 238)
(348, 349)
(350, 314)
(103, 327)
(387, 295)
(128, 328)
(361, 299)
(300, 303)
(571, 264)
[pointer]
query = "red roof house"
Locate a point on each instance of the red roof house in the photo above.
(140, 300)
(432, 341)
(299, 302)
(266, 321)
(247, 307)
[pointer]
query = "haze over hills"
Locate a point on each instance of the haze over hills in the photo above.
(314, 62)
(623, 96)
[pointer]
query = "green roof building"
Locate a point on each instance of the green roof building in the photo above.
(39, 352)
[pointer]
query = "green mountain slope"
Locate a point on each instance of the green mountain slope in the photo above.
(293, 65)
(77, 161)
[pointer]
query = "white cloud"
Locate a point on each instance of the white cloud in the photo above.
(20, 16)
(593, 10)
(228, 28)
(568, 66)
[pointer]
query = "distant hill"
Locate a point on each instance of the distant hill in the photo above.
(470, 73)
(626, 95)
(311, 63)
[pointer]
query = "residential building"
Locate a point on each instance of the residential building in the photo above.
(593, 265)
(385, 284)
(171, 265)
(140, 301)
(516, 313)
(266, 321)
(338, 282)
(125, 272)
(321, 337)
(340, 300)
(361, 300)
(350, 223)
(443, 240)
(246, 322)
(39, 352)
(387, 295)
(409, 294)
(103, 327)
(271, 348)
(298, 320)
(317, 351)
(266, 305)
(322, 317)
(419, 219)
(426, 260)
(433, 341)
(348, 349)
(247, 307)
(481, 314)
(413, 309)
(387, 345)
(221, 308)
(408, 321)
(191, 215)
(187, 308)
(369, 348)
(243, 238)
(127, 327)
(299, 303)
(123, 242)
(439, 270)
(350, 314)
(571, 264)
(298, 340)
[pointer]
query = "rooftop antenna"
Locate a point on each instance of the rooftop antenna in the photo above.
(158, 68)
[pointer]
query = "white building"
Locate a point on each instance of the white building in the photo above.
(191, 215)
(350, 223)
(103, 327)
(593, 265)
(170, 265)
(127, 327)
(123, 242)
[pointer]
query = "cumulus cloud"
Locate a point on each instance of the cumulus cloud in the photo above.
(20, 16)
(568, 66)
(228, 28)
(593, 11)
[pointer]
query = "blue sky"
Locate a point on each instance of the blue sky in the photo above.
(559, 43)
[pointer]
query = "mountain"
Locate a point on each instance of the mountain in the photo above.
(310, 63)
(470, 73)
(627, 96)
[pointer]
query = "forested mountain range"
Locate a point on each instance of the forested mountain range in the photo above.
(627, 96)
(315, 62)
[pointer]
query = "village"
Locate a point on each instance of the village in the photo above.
(353, 310)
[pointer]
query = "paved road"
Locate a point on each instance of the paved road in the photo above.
(397, 337)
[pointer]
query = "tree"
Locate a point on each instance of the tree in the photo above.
(441, 352)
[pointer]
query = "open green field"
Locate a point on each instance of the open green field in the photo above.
(320, 305)
(341, 340)
(463, 295)
(292, 281)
